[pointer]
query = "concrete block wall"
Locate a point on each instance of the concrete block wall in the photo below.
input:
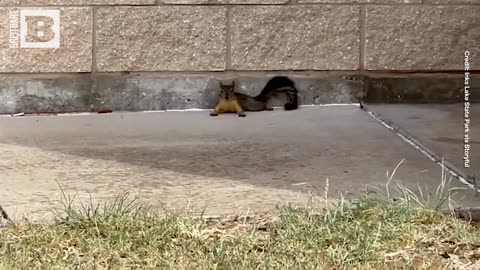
(250, 35)
(187, 37)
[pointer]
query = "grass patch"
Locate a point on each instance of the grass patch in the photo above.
(375, 232)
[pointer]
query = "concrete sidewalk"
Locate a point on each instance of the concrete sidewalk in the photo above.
(439, 128)
(226, 164)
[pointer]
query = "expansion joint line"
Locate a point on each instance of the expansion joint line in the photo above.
(447, 166)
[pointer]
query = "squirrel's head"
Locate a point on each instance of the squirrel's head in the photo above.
(226, 90)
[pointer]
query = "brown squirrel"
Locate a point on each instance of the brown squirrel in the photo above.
(276, 85)
(229, 102)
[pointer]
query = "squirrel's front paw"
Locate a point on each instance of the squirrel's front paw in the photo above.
(213, 114)
(242, 114)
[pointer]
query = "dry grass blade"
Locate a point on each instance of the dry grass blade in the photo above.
(4, 214)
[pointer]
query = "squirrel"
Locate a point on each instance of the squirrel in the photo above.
(276, 85)
(231, 101)
(228, 101)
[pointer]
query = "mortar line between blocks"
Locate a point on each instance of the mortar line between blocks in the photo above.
(421, 148)
(363, 35)
(94, 41)
(228, 39)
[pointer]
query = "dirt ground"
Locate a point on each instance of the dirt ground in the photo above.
(102, 179)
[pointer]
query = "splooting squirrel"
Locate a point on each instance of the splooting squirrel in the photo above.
(231, 101)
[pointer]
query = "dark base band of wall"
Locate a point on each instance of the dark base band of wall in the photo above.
(151, 91)
(432, 89)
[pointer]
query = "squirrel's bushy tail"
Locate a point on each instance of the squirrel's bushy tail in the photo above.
(281, 84)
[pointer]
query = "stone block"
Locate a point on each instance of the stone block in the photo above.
(422, 37)
(362, 1)
(88, 2)
(225, 2)
(451, 2)
(73, 55)
(9, 2)
(161, 38)
(295, 38)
